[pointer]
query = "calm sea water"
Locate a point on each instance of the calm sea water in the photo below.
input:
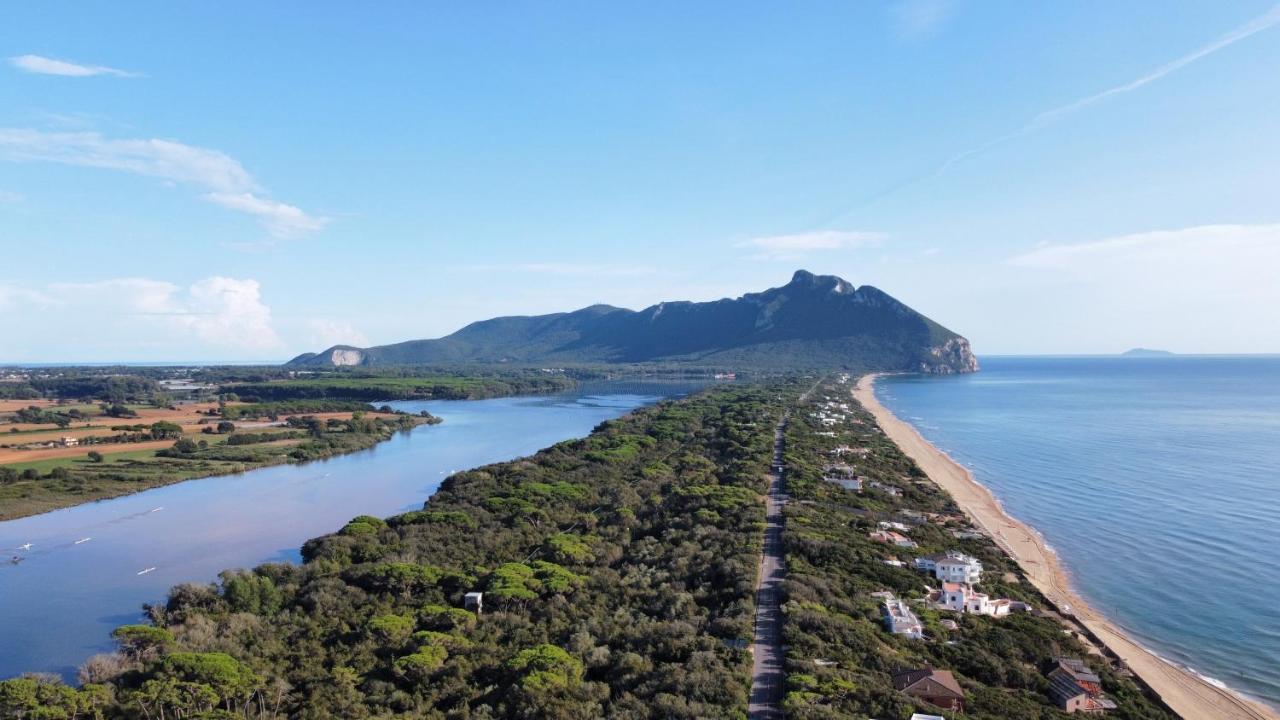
(1156, 480)
(59, 605)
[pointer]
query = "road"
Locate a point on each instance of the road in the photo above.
(767, 674)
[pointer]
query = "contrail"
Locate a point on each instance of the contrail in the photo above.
(1256, 25)
(1265, 21)
(1262, 22)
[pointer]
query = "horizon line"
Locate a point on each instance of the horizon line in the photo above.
(224, 363)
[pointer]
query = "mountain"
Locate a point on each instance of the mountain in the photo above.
(813, 321)
(1145, 353)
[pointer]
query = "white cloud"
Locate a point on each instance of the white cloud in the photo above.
(214, 314)
(122, 296)
(224, 179)
(164, 159)
(12, 296)
(918, 19)
(326, 333)
(1208, 244)
(281, 220)
(801, 245)
(224, 311)
(1204, 288)
(41, 65)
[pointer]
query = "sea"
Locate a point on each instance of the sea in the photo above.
(1156, 480)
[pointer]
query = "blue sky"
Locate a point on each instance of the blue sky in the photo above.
(242, 181)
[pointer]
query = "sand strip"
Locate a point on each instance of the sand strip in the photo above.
(1189, 695)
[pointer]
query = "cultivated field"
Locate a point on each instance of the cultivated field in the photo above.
(38, 472)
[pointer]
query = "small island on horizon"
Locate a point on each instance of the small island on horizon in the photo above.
(1147, 353)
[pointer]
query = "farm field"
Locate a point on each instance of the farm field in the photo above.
(40, 470)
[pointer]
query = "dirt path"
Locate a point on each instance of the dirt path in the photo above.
(1189, 695)
(767, 675)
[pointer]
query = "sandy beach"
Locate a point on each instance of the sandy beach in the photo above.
(1189, 695)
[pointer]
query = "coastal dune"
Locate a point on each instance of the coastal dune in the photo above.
(1188, 694)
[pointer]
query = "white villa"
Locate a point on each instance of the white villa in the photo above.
(952, 566)
(899, 620)
(962, 598)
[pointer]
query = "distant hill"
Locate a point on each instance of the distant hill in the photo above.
(1145, 352)
(813, 321)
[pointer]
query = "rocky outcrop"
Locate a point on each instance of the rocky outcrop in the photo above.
(951, 357)
(336, 356)
(346, 356)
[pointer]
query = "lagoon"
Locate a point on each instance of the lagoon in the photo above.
(91, 567)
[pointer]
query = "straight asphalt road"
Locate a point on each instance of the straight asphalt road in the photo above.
(767, 666)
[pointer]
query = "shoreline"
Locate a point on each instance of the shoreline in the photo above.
(56, 503)
(1186, 692)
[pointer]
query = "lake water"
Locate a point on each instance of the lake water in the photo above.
(60, 603)
(1156, 480)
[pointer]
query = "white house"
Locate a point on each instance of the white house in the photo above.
(952, 566)
(899, 620)
(962, 598)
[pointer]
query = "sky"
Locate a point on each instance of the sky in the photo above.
(245, 181)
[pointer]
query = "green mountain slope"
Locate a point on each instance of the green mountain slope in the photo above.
(812, 321)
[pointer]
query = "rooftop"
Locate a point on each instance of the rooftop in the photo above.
(943, 679)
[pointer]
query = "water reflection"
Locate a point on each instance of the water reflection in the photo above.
(61, 601)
